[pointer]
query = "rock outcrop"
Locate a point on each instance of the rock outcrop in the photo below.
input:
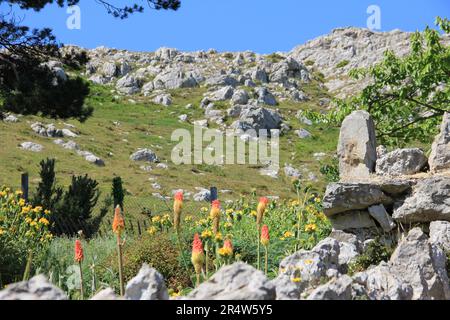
(238, 281)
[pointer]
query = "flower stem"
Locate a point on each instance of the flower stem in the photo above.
(181, 251)
(81, 281)
(266, 261)
(258, 248)
(26, 274)
(119, 254)
(206, 259)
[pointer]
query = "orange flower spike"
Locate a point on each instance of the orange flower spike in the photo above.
(198, 256)
(228, 245)
(177, 207)
(215, 209)
(265, 238)
(118, 222)
(214, 214)
(260, 210)
(79, 256)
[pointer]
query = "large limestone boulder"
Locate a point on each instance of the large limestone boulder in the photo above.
(129, 84)
(357, 146)
(440, 150)
(428, 202)
(440, 234)
(305, 268)
(352, 220)
(148, 284)
(336, 289)
(415, 271)
(401, 162)
(238, 281)
(37, 288)
(422, 265)
(341, 196)
(31, 146)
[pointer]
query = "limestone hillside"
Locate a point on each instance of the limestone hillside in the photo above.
(141, 97)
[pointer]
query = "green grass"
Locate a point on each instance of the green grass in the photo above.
(144, 124)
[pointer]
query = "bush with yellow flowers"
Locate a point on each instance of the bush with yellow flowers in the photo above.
(24, 233)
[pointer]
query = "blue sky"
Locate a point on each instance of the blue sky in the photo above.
(263, 26)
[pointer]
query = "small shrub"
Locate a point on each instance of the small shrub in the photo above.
(309, 63)
(375, 253)
(228, 55)
(275, 57)
(342, 64)
(159, 252)
(330, 171)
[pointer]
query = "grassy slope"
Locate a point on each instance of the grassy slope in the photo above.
(144, 124)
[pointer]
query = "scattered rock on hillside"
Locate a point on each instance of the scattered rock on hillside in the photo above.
(258, 118)
(264, 96)
(31, 146)
(202, 195)
(240, 96)
(37, 288)
(429, 201)
(291, 172)
(148, 284)
(128, 84)
(401, 162)
(440, 150)
(238, 281)
(144, 155)
(222, 94)
(10, 118)
(164, 99)
(357, 146)
(303, 134)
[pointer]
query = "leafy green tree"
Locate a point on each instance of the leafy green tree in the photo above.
(406, 96)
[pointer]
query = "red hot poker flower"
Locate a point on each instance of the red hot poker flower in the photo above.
(78, 251)
(265, 235)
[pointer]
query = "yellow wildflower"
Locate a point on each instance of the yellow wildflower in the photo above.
(296, 279)
(152, 230)
(253, 213)
(206, 234)
(188, 219)
(218, 236)
(229, 211)
(2, 231)
(156, 219)
(225, 251)
(21, 202)
(2, 193)
(204, 209)
(308, 261)
(228, 225)
(19, 193)
(46, 211)
(288, 234)
(44, 221)
(310, 227)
